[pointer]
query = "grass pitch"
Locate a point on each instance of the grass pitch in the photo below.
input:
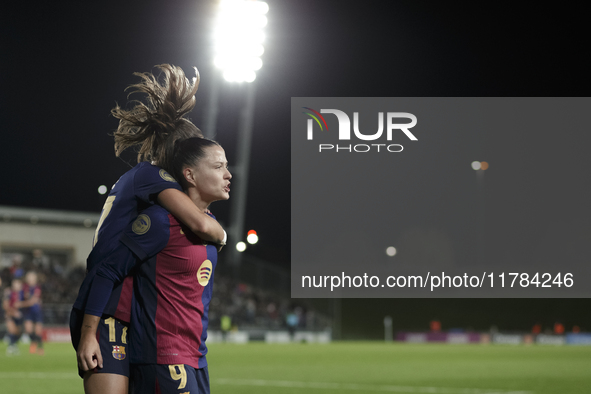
(349, 367)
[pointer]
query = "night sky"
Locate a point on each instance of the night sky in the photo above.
(66, 64)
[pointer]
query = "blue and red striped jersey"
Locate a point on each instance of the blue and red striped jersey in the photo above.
(15, 296)
(136, 190)
(30, 292)
(172, 292)
(11, 297)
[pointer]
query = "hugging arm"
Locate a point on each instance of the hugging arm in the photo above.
(111, 272)
(181, 207)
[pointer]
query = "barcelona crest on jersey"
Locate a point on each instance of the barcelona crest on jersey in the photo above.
(119, 352)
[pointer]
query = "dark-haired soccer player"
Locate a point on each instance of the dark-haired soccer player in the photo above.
(172, 290)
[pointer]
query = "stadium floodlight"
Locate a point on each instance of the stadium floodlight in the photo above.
(241, 246)
(480, 165)
(239, 37)
(252, 237)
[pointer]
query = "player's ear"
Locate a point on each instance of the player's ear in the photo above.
(190, 176)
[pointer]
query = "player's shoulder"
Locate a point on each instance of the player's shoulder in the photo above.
(155, 211)
(146, 169)
(151, 220)
(149, 232)
(126, 179)
(131, 173)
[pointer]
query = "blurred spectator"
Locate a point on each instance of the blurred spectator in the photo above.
(251, 309)
(292, 321)
(435, 325)
(40, 261)
(558, 328)
(16, 269)
(272, 310)
(225, 326)
(536, 329)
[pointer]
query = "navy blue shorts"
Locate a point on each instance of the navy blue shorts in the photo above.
(169, 379)
(35, 315)
(112, 338)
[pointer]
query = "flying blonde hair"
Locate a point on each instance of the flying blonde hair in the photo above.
(158, 123)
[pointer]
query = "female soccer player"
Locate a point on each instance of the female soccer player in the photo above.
(155, 127)
(32, 314)
(173, 289)
(13, 296)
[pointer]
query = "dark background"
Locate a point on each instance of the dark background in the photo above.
(66, 63)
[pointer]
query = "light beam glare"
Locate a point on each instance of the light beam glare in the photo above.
(238, 38)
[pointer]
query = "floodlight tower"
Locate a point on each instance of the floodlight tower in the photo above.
(238, 47)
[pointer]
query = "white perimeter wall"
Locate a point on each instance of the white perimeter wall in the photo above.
(76, 238)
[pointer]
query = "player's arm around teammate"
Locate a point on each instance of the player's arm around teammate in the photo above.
(108, 371)
(153, 128)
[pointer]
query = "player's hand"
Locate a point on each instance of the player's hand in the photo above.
(89, 353)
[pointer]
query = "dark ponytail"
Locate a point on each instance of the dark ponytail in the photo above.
(157, 124)
(187, 152)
